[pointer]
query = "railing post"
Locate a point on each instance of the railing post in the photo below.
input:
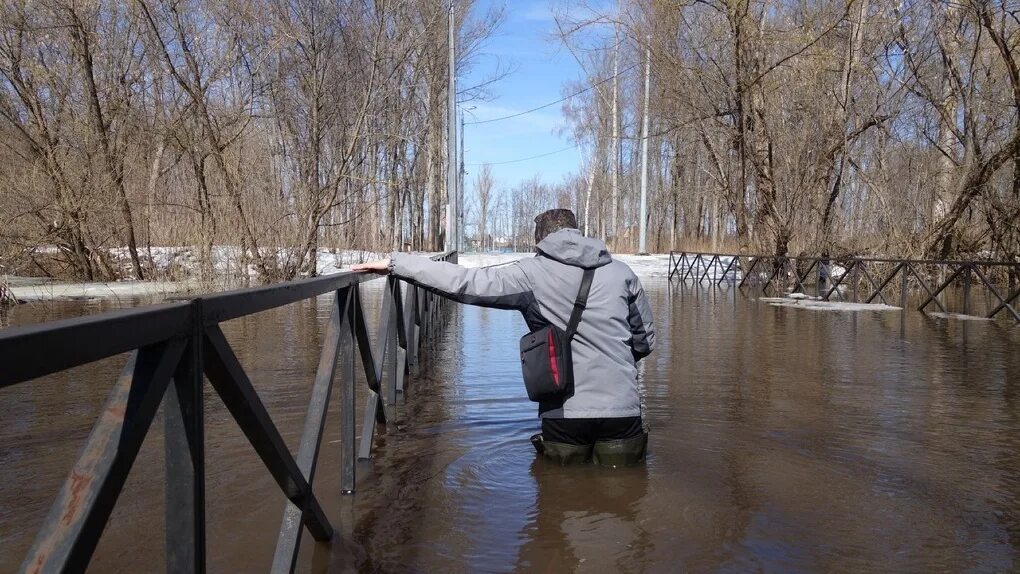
(184, 446)
(433, 305)
(184, 455)
(966, 290)
(855, 279)
(423, 314)
(393, 382)
(348, 409)
(903, 286)
(424, 319)
(411, 324)
(818, 277)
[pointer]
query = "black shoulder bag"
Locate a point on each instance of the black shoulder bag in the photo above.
(546, 360)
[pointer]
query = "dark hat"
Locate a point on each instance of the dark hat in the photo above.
(552, 221)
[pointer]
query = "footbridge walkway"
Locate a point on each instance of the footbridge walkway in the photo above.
(174, 348)
(981, 288)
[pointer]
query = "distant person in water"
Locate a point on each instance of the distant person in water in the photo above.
(601, 419)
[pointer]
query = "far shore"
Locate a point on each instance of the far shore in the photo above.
(35, 289)
(32, 289)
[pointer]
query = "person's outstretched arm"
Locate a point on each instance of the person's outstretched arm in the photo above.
(503, 287)
(640, 318)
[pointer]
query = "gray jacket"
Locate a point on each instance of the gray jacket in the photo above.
(615, 330)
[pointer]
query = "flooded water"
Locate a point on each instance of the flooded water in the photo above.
(782, 439)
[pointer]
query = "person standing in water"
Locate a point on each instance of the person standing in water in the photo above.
(601, 419)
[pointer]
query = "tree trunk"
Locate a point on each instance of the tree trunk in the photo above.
(114, 168)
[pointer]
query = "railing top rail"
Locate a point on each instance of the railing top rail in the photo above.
(219, 307)
(32, 351)
(851, 258)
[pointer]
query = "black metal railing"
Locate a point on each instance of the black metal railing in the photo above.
(173, 348)
(859, 279)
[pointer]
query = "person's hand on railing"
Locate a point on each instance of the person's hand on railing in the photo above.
(382, 266)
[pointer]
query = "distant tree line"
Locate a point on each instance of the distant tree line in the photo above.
(284, 127)
(825, 126)
(278, 126)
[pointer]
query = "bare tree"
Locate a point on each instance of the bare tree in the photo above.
(248, 135)
(823, 125)
(484, 184)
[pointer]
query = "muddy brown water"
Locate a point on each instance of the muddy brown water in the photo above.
(781, 440)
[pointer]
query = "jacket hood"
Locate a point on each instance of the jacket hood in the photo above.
(570, 247)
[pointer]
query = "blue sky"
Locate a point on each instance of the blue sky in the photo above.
(541, 67)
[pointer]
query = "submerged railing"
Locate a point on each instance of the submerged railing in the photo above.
(858, 278)
(174, 347)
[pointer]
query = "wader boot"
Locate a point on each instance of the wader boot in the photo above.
(561, 452)
(621, 452)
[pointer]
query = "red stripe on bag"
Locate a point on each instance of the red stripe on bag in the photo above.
(552, 360)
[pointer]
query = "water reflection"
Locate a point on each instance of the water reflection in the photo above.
(602, 531)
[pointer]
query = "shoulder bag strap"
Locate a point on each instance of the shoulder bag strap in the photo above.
(580, 303)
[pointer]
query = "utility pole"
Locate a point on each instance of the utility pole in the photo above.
(613, 226)
(644, 154)
(460, 189)
(453, 210)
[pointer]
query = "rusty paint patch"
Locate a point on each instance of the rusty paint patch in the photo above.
(38, 566)
(118, 411)
(79, 482)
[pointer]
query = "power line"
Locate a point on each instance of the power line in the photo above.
(563, 99)
(525, 158)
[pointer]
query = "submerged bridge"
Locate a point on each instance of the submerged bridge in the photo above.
(986, 288)
(174, 348)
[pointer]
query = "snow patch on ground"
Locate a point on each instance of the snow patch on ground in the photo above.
(329, 262)
(958, 316)
(122, 289)
(802, 297)
(226, 260)
(646, 265)
(474, 260)
(817, 305)
(642, 265)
